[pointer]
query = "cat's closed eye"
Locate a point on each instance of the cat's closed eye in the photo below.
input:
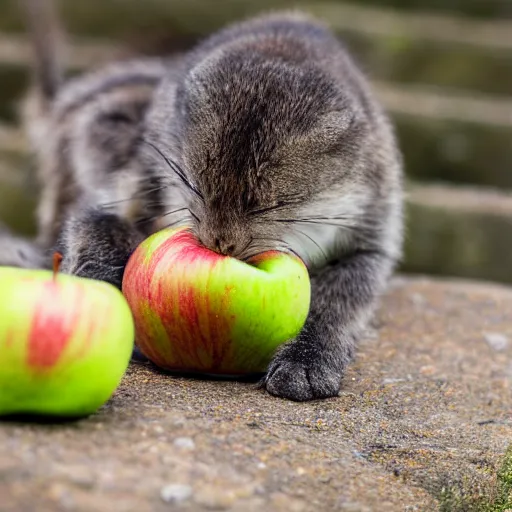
(117, 118)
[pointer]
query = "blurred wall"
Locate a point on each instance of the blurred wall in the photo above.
(443, 68)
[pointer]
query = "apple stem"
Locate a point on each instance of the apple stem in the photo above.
(57, 259)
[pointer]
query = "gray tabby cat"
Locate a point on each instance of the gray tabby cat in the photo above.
(268, 137)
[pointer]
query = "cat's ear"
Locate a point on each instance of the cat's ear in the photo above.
(335, 124)
(335, 133)
(198, 94)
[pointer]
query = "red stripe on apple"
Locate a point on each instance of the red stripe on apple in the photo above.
(51, 329)
(65, 342)
(193, 327)
(9, 339)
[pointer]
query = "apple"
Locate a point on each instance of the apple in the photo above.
(65, 342)
(199, 311)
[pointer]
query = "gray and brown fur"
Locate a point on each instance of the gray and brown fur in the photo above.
(270, 138)
(284, 146)
(82, 132)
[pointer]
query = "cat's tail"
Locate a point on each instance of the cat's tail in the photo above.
(47, 40)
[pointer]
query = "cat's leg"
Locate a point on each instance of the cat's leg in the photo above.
(97, 245)
(343, 299)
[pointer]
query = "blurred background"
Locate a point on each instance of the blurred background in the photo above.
(442, 68)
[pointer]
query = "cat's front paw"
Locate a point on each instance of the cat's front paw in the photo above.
(297, 375)
(83, 264)
(97, 246)
(138, 356)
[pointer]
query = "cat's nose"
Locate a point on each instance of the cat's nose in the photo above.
(225, 247)
(230, 241)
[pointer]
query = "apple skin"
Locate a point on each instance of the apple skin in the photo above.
(199, 311)
(65, 343)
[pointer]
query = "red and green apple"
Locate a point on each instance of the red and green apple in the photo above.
(199, 311)
(65, 342)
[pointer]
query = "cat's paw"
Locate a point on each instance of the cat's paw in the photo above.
(19, 252)
(295, 377)
(138, 356)
(97, 246)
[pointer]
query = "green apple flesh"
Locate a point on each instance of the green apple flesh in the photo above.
(196, 310)
(65, 343)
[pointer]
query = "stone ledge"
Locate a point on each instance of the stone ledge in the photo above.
(445, 50)
(442, 149)
(422, 423)
(101, 17)
(427, 26)
(458, 231)
(11, 140)
(82, 53)
(445, 105)
(462, 199)
(18, 189)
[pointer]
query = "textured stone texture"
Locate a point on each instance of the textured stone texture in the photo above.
(422, 423)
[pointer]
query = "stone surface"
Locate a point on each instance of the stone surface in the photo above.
(176, 493)
(422, 423)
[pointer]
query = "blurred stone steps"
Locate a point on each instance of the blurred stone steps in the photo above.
(472, 8)
(16, 58)
(82, 52)
(102, 16)
(424, 26)
(459, 231)
(451, 51)
(448, 51)
(18, 189)
(441, 104)
(432, 62)
(456, 138)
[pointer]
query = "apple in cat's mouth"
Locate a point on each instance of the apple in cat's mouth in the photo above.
(199, 311)
(65, 343)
